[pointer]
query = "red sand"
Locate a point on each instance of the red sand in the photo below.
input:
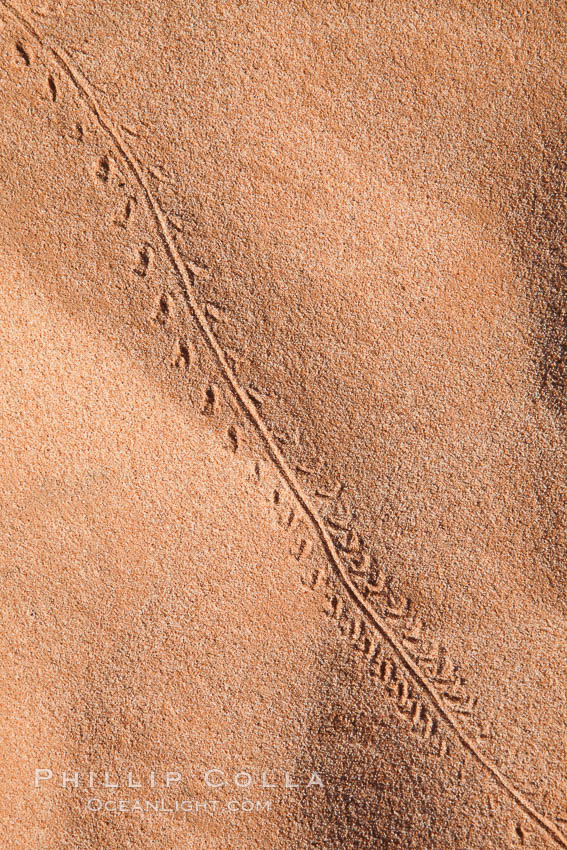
(283, 368)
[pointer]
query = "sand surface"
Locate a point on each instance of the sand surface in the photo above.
(283, 363)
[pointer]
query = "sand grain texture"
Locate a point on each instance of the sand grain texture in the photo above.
(283, 376)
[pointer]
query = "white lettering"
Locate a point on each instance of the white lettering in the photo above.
(210, 782)
(41, 775)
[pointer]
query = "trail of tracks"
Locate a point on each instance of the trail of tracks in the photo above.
(86, 92)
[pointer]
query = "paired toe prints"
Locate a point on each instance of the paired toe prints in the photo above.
(107, 173)
(24, 56)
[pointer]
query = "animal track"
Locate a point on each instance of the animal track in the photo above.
(129, 207)
(213, 312)
(182, 356)
(376, 587)
(196, 269)
(211, 400)
(332, 493)
(103, 169)
(381, 666)
(23, 53)
(163, 311)
(234, 437)
(345, 554)
(303, 549)
(145, 260)
(256, 397)
(354, 628)
(52, 88)
(159, 172)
